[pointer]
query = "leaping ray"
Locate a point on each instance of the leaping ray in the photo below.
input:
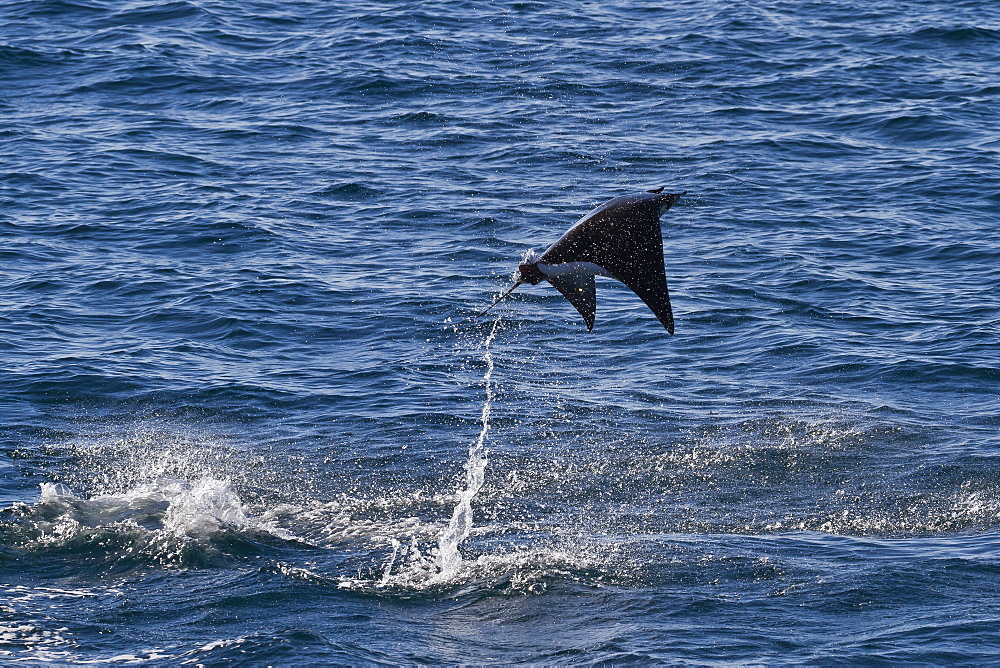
(620, 239)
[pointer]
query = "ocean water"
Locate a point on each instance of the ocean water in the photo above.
(248, 415)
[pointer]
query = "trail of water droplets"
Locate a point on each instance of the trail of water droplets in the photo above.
(414, 565)
(449, 558)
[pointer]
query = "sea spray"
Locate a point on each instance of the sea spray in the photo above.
(449, 559)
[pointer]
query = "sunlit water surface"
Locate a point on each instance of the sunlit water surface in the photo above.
(247, 415)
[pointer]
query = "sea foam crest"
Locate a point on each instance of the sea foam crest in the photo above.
(170, 522)
(192, 508)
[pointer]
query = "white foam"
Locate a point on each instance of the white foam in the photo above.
(167, 520)
(192, 508)
(204, 507)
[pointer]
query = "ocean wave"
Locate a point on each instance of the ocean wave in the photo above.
(168, 523)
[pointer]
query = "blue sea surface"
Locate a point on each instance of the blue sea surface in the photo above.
(248, 413)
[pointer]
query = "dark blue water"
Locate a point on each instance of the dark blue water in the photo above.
(245, 416)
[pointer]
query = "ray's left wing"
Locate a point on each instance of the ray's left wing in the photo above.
(581, 290)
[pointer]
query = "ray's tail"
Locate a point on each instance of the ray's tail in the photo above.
(498, 300)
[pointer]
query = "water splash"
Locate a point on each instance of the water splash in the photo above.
(449, 559)
(193, 509)
(165, 523)
(415, 564)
